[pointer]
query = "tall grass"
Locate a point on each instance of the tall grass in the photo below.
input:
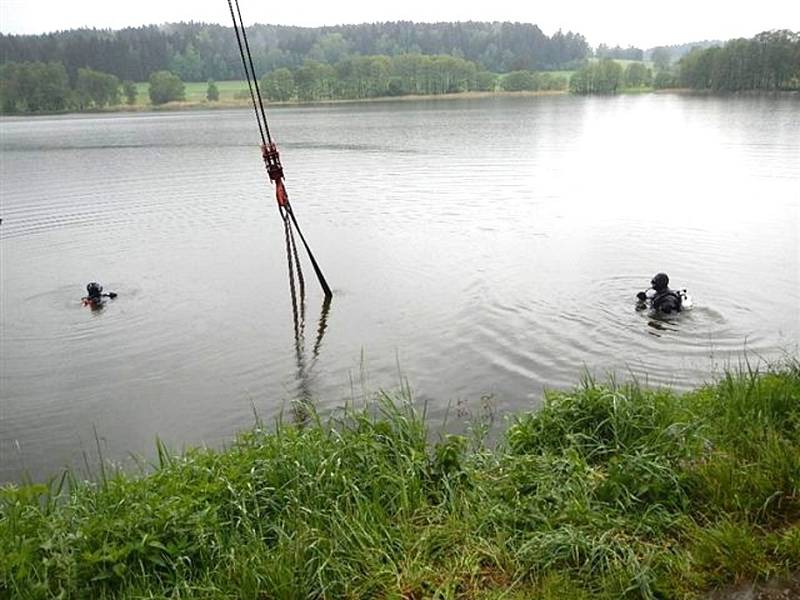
(607, 491)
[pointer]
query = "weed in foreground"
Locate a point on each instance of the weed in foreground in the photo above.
(606, 491)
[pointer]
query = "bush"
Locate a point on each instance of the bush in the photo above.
(519, 81)
(96, 88)
(601, 77)
(279, 85)
(166, 87)
(212, 92)
(664, 80)
(130, 91)
(637, 75)
(34, 87)
(485, 81)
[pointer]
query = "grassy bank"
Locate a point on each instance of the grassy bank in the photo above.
(607, 491)
(234, 94)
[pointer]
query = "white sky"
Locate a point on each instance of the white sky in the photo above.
(624, 22)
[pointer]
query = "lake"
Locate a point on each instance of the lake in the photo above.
(483, 249)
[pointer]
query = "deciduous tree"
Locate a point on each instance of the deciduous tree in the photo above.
(96, 89)
(637, 75)
(34, 87)
(278, 85)
(166, 87)
(518, 81)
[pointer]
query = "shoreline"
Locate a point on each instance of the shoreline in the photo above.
(605, 491)
(246, 103)
(180, 106)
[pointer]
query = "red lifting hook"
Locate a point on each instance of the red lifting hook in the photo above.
(272, 160)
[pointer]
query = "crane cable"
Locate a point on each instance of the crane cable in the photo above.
(269, 150)
(253, 72)
(247, 72)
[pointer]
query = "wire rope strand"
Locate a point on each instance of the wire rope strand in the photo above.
(247, 73)
(253, 71)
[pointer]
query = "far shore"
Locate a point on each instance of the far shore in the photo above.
(228, 104)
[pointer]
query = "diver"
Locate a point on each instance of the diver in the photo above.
(95, 295)
(662, 299)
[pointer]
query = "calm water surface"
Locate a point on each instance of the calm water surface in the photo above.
(487, 247)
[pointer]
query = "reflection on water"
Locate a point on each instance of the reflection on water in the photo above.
(663, 323)
(303, 403)
(490, 246)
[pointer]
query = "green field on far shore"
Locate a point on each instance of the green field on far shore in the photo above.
(196, 91)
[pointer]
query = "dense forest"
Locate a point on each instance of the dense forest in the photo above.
(198, 51)
(80, 70)
(768, 61)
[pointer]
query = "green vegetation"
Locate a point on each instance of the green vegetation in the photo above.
(665, 79)
(45, 88)
(96, 90)
(601, 77)
(34, 87)
(618, 53)
(769, 61)
(166, 87)
(333, 66)
(212, 91)
(661, 58)
(521, 81)
(607, 491)
(664, 56)
(130, 91)
(197, 92)
(372, 77)
(354, 78)
(200, 51)
(637, 75)
(383, 76)
(278, 85)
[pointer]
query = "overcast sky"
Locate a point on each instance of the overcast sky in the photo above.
(625, 22)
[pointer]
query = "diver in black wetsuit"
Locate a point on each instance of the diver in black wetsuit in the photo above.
(663, 299)
(95, 295)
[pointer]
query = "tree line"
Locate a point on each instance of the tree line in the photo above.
(607, 76)
(200, 51)
(379, 76)
(768, 61)
(45, 87)
(35, 87)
